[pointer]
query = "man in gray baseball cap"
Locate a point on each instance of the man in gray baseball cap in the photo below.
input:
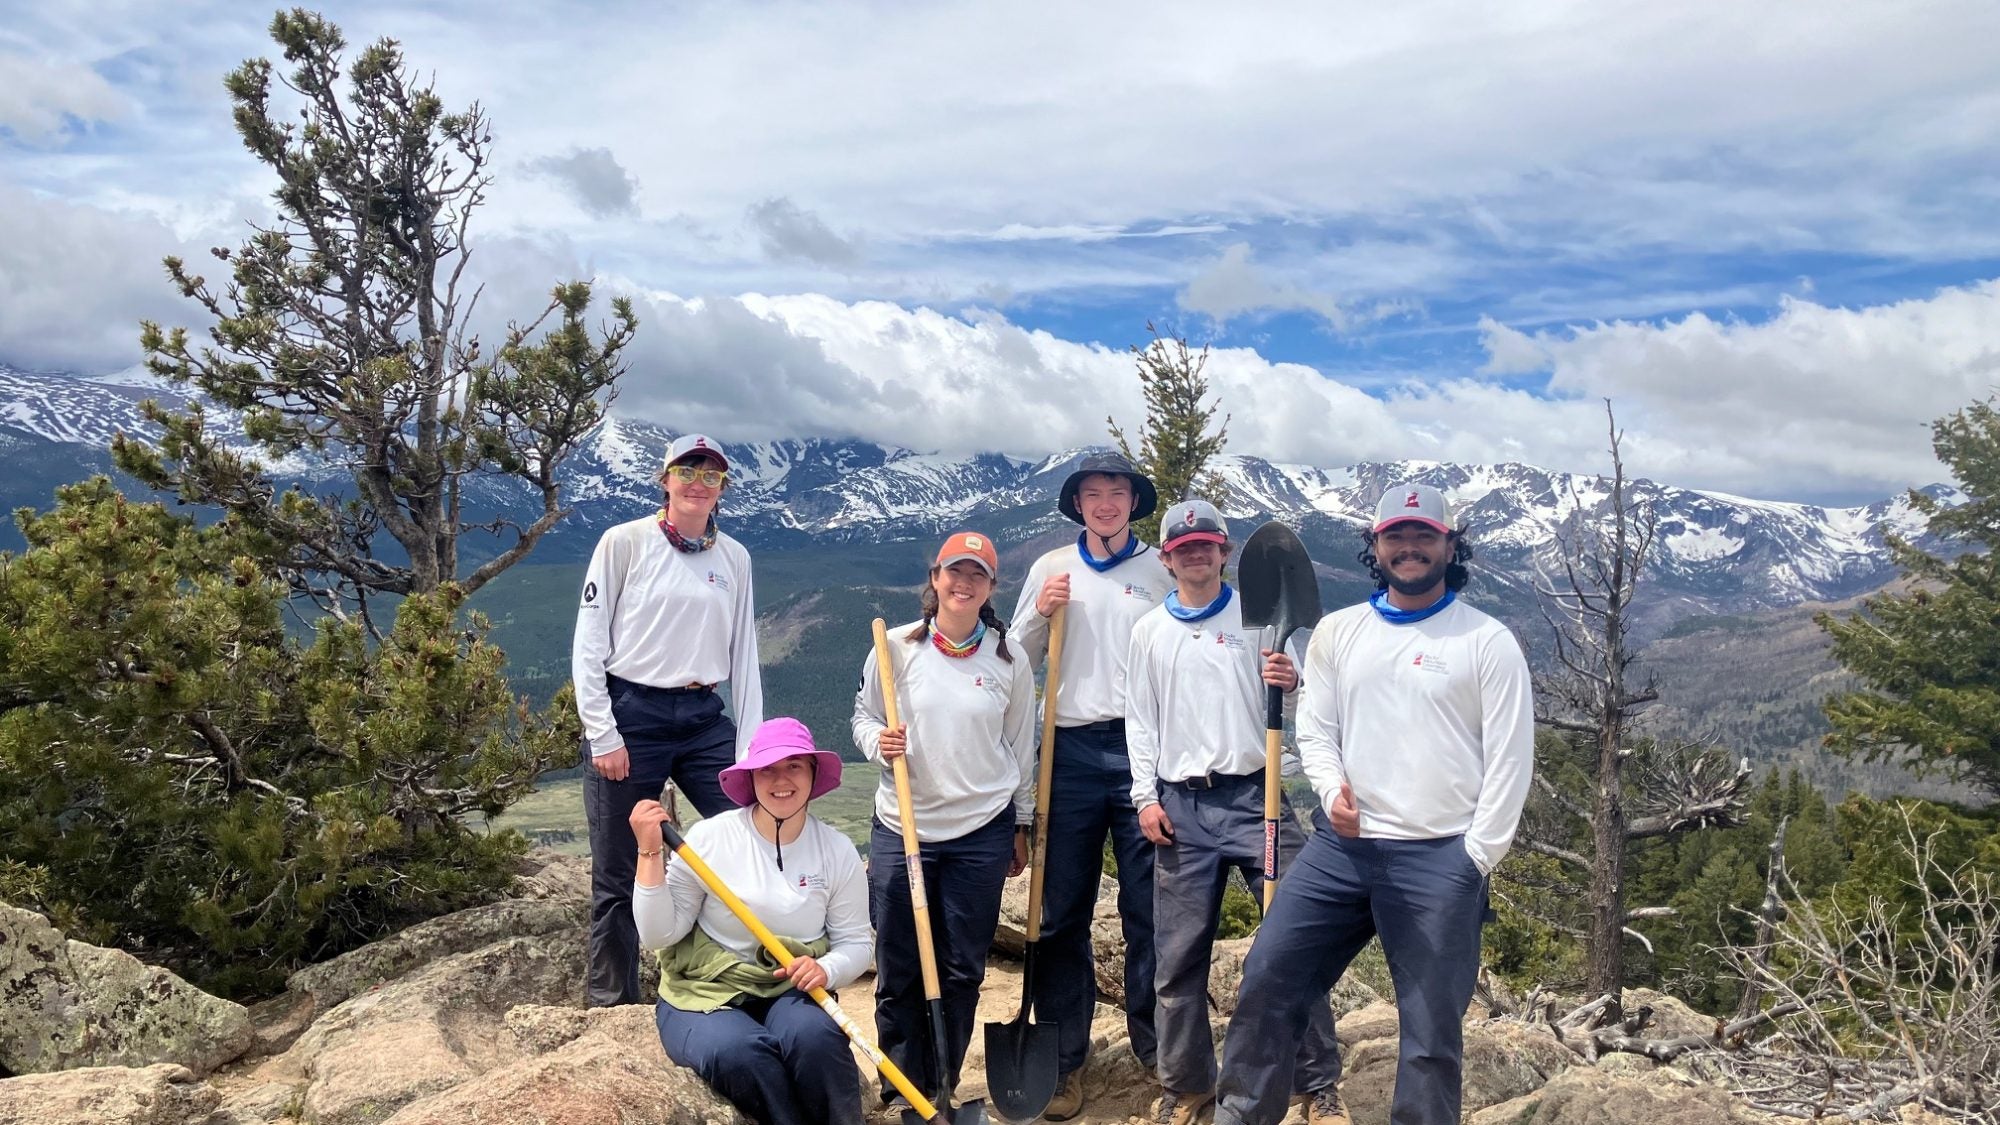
(1194, 721)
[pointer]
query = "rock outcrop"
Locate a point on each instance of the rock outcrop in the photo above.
(164, 1094)
(65, 1004)
(476, 1019)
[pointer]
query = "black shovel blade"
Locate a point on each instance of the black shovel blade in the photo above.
(1275, 577)
(1021, 1067)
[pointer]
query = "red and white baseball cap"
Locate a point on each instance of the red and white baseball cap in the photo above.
(970, 545)
(693, 445)
(1192, 521)
(1419, 502)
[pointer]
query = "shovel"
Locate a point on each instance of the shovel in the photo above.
(1280, 593)
(974, 1112)
(1021, 1057)
(920, 1105)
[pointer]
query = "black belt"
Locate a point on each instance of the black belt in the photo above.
(1102, 726)
(1215, 780)
(614, 683)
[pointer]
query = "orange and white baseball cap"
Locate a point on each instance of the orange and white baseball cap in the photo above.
(970, 545)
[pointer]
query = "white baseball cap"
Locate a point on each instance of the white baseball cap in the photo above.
(691, 445)
(1419, 502)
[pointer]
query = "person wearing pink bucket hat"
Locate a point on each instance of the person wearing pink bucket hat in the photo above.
(725, 1010)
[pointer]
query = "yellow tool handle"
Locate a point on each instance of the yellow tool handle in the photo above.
(785, 958)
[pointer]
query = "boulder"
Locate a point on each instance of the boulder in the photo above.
(1590, 1096)
(1504, 1060)
(1375, 1021)
(1670, 1018)
(330, 982)
(264, 1103)
(66, 1004)
(430, 1029)
(1225, 981)
(615, 1071)
(164, 1094)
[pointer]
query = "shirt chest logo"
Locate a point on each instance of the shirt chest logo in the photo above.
(718, 580)
(1431, 662)
(1231, 641)
(1137, 590)
(813, 882)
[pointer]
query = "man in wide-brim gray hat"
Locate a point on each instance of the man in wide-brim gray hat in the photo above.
(1109, 580)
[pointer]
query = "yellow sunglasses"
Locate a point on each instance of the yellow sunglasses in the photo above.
(688, 474)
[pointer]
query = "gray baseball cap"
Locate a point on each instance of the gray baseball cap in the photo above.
(1192, 521)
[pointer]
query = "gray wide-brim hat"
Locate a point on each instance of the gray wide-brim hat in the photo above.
(1106, 463)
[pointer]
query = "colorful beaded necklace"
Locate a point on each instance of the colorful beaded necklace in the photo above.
(959, 651)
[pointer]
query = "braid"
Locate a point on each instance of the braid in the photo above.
(929, 602)
(991, 619)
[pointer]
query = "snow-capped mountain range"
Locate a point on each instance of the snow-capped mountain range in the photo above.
(1715, 552)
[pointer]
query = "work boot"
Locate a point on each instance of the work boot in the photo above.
(1323, 1107)
(1180, 1109)
(1068, 1101)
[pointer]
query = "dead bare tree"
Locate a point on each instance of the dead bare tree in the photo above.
(1594, 697)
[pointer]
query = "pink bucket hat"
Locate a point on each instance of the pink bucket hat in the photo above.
(773, 742)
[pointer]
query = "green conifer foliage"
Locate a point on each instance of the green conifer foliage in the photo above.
(1174, 443)
(1929, 658)
(183, 777)
(342, 332)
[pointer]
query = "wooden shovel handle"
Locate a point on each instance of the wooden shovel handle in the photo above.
(913, 860)
(1045, 775)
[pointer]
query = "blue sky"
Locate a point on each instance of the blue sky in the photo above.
(1428, 230)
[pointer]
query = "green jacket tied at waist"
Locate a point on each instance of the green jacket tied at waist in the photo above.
(699, 974)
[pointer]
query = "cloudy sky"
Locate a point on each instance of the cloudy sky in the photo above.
(1767, 231)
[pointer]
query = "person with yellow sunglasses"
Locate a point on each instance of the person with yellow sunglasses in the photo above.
(666, 616)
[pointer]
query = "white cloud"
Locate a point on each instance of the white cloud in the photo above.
(1233, 285)
(43, 102)
(1815, 399)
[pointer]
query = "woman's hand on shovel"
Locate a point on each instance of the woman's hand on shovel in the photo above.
(804, 973)
(895, 741)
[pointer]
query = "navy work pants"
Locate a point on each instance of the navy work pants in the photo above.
(963, 879)
(1090, 798)
(668, 733)
(1427, 899)
(1215, 830)
(780, 1061)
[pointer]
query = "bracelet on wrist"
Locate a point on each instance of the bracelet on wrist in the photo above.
(644, 854)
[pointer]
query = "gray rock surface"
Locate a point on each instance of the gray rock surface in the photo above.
(1590, 1096)
(431, 1029)
(615, 1071)
(66, 1004)
(165, 1094)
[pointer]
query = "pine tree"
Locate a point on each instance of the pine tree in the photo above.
(182, 777)
(1174, 443)
(1929, 658)
(342, 334)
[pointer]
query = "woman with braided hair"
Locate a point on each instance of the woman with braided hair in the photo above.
(967, 738)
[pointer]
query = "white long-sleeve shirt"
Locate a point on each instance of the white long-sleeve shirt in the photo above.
(1432, 724)
(659, 616)
(1194, 699)
(1097, 634)
(822, 892)
(971, 729)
